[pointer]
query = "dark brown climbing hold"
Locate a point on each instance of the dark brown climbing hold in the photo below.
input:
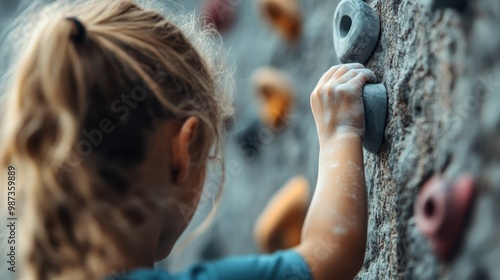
(221, 14)
(441, 212)
(356, 28)
(275, 93)
(285, 16)
(279, 226)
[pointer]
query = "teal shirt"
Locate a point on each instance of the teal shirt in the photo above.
(281, 265)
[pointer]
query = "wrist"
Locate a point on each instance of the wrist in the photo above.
(343, 133)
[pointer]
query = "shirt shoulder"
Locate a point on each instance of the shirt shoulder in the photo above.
(281, 265)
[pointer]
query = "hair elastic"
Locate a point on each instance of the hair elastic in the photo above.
(80, 30)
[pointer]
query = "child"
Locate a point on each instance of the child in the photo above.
(112, 118)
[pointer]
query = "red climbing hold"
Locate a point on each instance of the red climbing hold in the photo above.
(221, 14)
(441, 212)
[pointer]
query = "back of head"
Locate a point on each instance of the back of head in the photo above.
(82, 103)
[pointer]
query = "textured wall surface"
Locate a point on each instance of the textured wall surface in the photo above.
(442, 72)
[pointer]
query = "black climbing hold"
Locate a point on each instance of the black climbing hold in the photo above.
(249, 140)
(356, 29)
(375, 101)
(459, 5)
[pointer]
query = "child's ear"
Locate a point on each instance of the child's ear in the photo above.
(181, 159)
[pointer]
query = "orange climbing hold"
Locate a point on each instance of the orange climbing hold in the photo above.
(279, 226)
(284, 15)
(275, 92)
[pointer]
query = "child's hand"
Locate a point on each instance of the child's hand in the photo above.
(337, 102)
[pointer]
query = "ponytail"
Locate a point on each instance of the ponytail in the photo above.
(45, 113)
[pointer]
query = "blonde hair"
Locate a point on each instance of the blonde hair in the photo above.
(64, 89)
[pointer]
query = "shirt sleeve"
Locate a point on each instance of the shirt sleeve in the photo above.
(281, 265)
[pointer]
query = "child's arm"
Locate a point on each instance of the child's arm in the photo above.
(334, 233)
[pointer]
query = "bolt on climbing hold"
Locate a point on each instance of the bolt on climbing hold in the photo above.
(221, 14)
(441, 212)
(275, 93)
(356, 29)
(279, 226)
(285, 16)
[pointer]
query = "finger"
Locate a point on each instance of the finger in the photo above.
(346, 68)
(351, 74)
(364, 77)
(327, 76)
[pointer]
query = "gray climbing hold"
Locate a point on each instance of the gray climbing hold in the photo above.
(356, 28)
(375, 101)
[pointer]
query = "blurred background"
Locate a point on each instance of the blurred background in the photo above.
(440, 63)
(259, 160)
